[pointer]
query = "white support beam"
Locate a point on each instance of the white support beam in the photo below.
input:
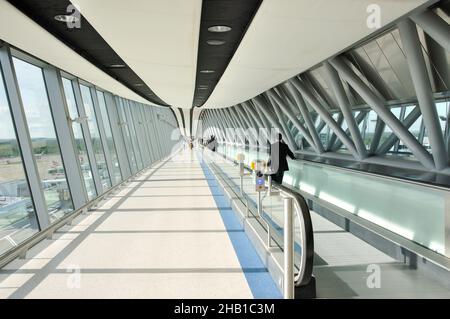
(383, 112)
(422, 85)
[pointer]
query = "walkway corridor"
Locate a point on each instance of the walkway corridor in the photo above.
(167, 234)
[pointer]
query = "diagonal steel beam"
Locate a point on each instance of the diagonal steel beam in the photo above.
(383, 112)
(392, 139)
(221, 125)
(306, 79)
(325, 116)
(333, 137)
(306, 116)
(249, 133)
(434, 26)
(277, 99)
(289, 136)
(229, 125)
(373, 77)
(359, 118)
(248, 108)
(379, 129)
(263, 138)
(233, 124)
(211, 123)
(264, 119)
(249, 129)
(259, 103)
(345, 107)
(421, 81)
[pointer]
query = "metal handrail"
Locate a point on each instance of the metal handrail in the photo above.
(304, 274)
(305, 267)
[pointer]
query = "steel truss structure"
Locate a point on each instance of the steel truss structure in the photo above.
(399, 80)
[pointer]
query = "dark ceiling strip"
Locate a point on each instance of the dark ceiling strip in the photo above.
(216, 55)
(191, 121)
(87, 42)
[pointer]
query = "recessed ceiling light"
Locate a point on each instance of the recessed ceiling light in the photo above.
(202, 88)
(207, 71)
(117, 66)
(219, 28)
(66, 18)
(215, 42)
(138, 84)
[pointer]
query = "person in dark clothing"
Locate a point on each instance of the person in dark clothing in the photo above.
(278, 162)
(212, 143)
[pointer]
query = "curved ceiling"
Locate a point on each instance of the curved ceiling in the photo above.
(157, 39)
(86, 41)
(287, 37)
(28, 36)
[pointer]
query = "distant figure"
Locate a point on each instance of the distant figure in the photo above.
(212, 143)
(278, 162)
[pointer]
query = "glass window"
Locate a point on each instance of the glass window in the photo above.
(134, 141)
(17, 216)
(367, 128)
(126, 135)
(43, 137)
(146, 127)
(142, 129)
(324, 133)
(442, 110)
(95, 137)
(80, 143)
(110, 140)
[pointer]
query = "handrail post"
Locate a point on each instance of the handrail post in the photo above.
(288, 284)
(242, 181)
(269, 182)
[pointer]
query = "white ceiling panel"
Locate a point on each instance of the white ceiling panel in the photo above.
(157, 39)
(23, 33)
(287, 37)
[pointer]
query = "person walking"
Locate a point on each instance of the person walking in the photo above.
(278, 162)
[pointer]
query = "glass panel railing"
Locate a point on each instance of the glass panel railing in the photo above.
(414, 211)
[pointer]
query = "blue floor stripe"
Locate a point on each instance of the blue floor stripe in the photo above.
(256, 274)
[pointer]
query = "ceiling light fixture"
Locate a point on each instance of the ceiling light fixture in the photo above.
(219, 28)
(117, 66)
(66, 18)
(215, 42)
(207, 71)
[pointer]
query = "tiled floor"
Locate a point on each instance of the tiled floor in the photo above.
(162, 236)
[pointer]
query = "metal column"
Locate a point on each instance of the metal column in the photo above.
(276, 99)
(435, 26)
(124, 163)
(422, 85)
(326, 117)
(345, 107)
(306, 116)
(103, 137)
(87, 137)
(58, 105)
